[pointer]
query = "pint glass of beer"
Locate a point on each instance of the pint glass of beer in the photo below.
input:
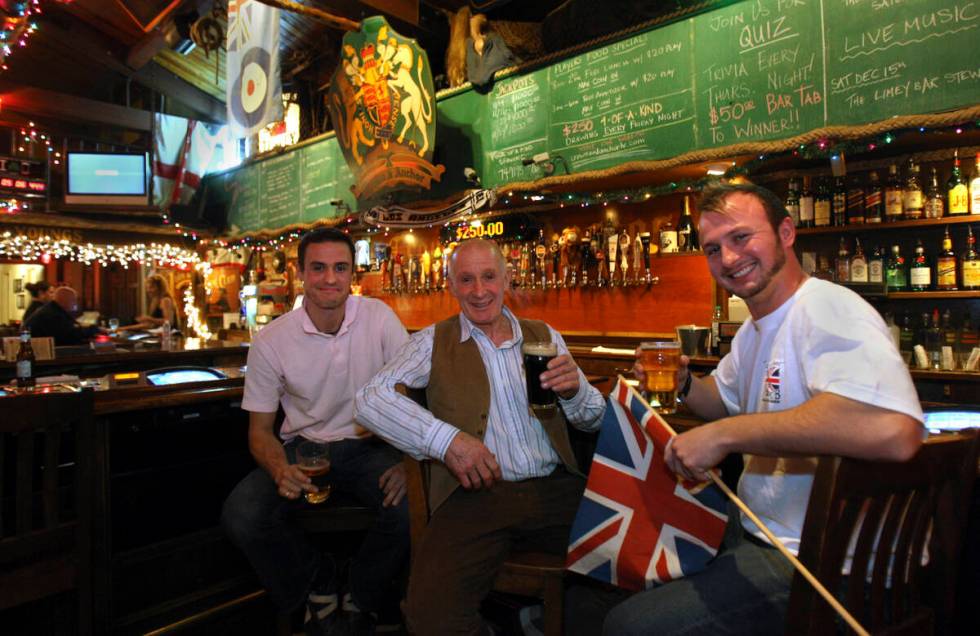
(313, 458)
(543, 402)
(660, 360)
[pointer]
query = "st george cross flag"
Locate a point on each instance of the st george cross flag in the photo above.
(184, 151)
(253, 89)
(639, 524)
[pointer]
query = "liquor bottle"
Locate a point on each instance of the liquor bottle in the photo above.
(668, 238)
(793, 202)
(906, 339)
(839, 202)
(716, 331)
(913, 199)
(824, 271)
(843, 269)
(956, 190)
(876, 266)
(25, 361)
(920, 274)
(975, 189)
(821, 205)
(935, 204)
(687, 236)
(859, 264)
(855, 200)
(894, 193)
(806, 204)
(967, 338)
(895, 276)
(874, 200)
(970, 263)
(946, 265)
(934, 341)
(949, 341)
(893, 329)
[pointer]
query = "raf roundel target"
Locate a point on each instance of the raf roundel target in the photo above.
(251, 87)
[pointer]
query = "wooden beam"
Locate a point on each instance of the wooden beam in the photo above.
(45, 103)
(206, 107)
(74, 223)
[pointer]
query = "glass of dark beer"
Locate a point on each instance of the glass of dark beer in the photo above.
(543, 402)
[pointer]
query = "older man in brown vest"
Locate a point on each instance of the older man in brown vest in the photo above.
(520, 483)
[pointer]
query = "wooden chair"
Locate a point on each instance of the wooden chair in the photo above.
(915, 503)
(535, 574)
(46, 499)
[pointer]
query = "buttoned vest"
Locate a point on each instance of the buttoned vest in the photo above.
(459, 393)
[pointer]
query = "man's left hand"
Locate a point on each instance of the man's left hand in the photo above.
(392, 482)
(693, 453)
(561, 377)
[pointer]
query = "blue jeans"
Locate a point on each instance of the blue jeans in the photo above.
(745, 590)
(258, 521)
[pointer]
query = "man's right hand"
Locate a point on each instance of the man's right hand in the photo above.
(291, 481)
(471, 462)
(682, 370)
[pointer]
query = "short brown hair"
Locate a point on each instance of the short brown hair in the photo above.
(713, 200)
(324, 235)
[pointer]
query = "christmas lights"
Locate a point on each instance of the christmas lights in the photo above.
(45, 248)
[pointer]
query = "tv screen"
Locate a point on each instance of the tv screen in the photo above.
(99, 178)
(180, 376)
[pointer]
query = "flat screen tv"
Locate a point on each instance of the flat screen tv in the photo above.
(106, 178)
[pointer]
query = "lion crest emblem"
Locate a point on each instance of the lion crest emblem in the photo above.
(382, 104)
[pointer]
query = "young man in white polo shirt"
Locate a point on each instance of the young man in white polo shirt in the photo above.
(312, 361)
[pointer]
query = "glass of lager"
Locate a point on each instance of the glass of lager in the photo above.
(543, 402)
(313, 458)
(660, 360)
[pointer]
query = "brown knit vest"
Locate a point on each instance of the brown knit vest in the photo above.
(459, 393)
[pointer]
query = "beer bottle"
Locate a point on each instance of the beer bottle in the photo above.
(839, 202)
(975, 189)
(970, 263)
(806, 204)
(843, 263)
(920, 274)
(946, 265)
(793, 202)
(895, 276)
(959, 196)
(874, 201)
(894, 195)
(935, 203)
(25, 361)
(687, 236)
(821, 205)
(859, 264)
(855, 200)
(912, 201)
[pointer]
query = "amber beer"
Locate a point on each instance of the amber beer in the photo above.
(313, 458)
(660, 361)
(537, 355)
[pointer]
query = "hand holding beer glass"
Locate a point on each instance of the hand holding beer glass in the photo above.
(537, 355)
(313, 458)
(660, 361)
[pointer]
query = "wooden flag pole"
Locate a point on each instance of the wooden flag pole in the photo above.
(776, 543)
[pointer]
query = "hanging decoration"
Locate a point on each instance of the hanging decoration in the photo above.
(44, 248)
(17, 27)
(191, 310)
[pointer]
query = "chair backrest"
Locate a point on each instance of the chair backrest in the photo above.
(905, 507)
(47, 454)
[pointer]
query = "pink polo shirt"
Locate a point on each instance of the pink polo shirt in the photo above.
(316, 375)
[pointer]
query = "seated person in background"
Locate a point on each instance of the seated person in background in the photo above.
(311, 361)
(814, 371)
(520, 483)
(56, 319)
(161, 306)
(41, 293)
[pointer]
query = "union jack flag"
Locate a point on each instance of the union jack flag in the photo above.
(639, 524)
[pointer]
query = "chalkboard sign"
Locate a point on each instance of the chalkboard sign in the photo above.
(752, 71)
(298, 187)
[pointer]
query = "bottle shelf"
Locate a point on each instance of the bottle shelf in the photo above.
(895, 225)
(932, 295)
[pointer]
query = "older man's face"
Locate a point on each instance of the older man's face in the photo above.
(478, 282)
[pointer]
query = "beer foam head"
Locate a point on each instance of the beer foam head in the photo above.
(540, 348)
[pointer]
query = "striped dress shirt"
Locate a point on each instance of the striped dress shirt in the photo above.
(514, 435)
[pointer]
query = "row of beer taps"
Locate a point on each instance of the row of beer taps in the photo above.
(601, 257)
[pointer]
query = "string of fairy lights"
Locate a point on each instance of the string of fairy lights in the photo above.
(42, 249)
(191, 311)
(18, 26)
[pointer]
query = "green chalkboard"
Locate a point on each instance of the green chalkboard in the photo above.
(300, 186)
(886, 57)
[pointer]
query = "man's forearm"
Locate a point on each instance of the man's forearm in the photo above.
(266, 449)
(704, 399)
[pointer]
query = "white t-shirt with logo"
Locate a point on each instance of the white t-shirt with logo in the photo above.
(825, 338)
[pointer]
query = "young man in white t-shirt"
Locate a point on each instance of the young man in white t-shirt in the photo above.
(813, 372)
(312, 361)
